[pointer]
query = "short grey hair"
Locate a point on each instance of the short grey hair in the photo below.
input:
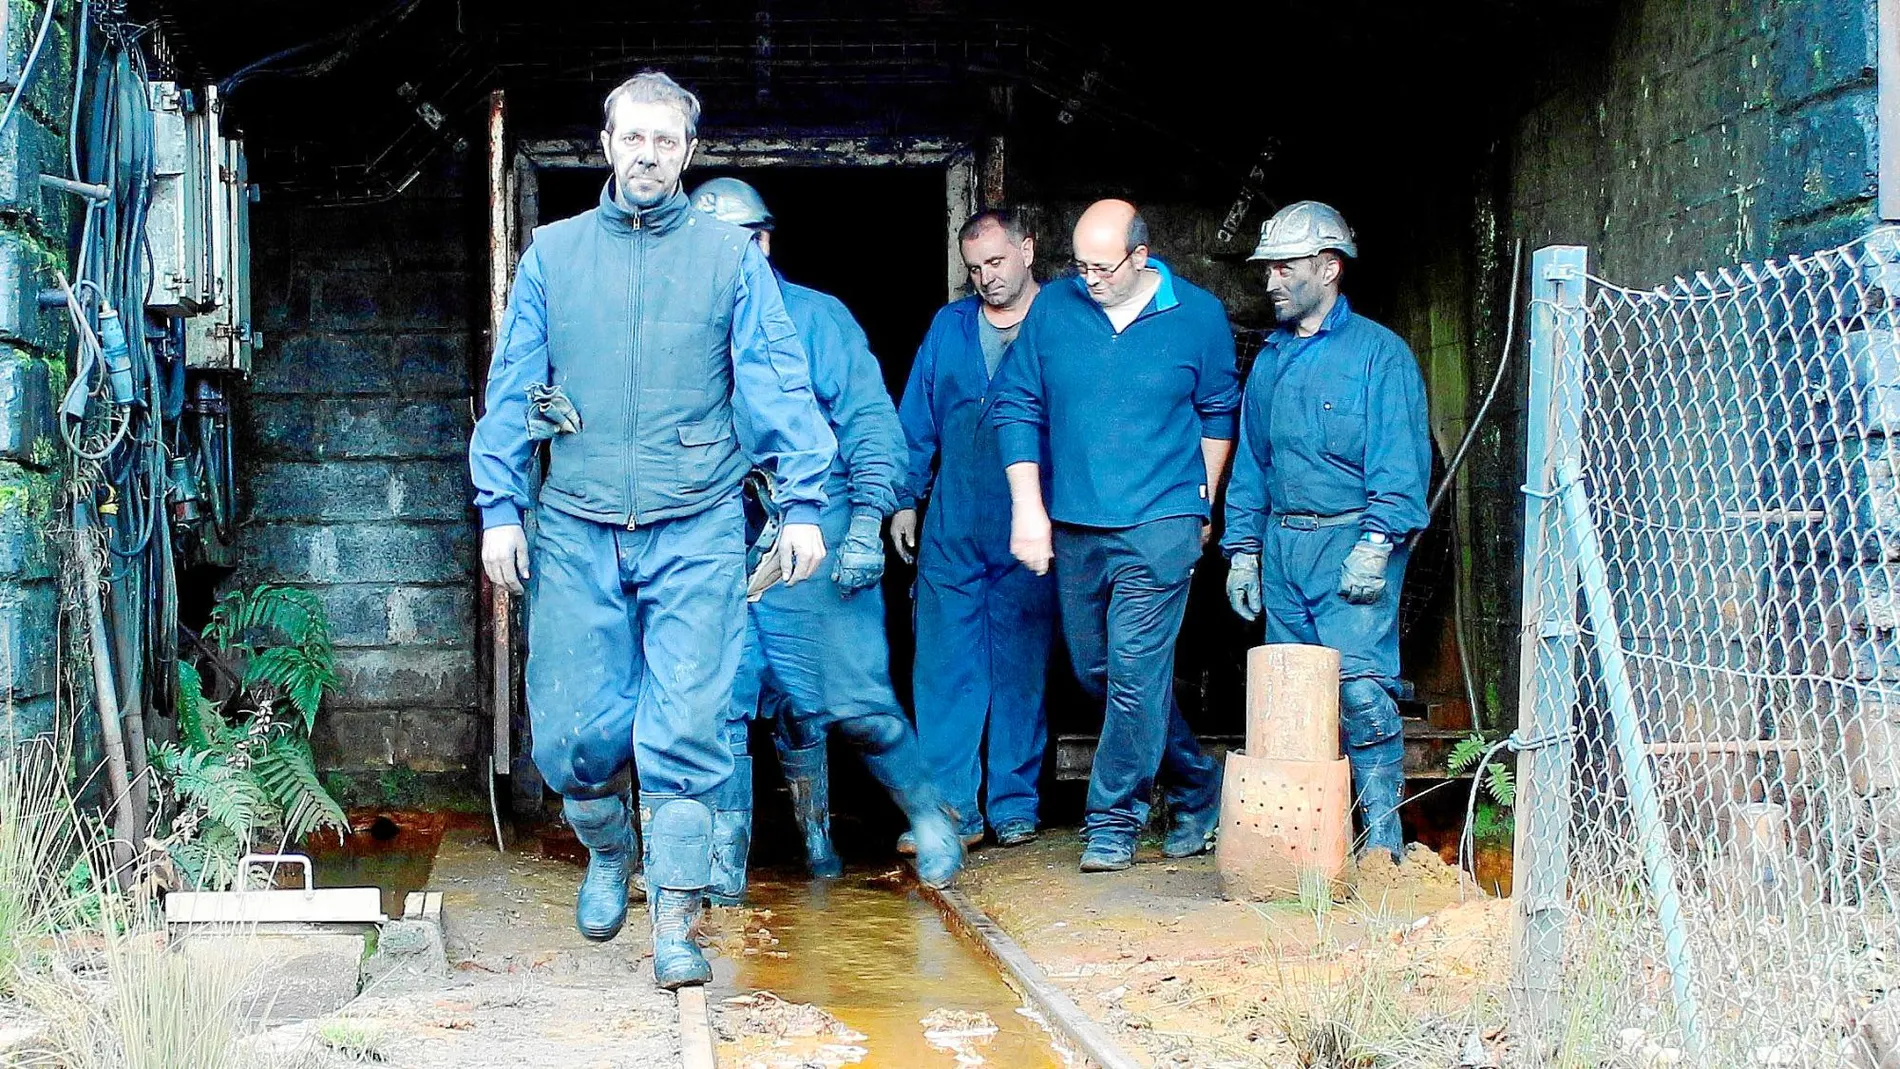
(1137, 233)
(654, 87)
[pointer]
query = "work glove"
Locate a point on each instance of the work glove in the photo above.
(861, 557)
(1243, 585)
(550, 412)
(1362, 576)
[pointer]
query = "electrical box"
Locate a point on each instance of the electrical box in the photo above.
(175, 227)
(199, 229)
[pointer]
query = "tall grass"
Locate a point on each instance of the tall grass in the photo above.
(41, 835)
(95, 963)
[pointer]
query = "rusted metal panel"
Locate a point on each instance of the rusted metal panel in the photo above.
(500, 621)
(746, 150)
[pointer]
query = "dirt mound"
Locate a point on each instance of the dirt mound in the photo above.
(1420, 883)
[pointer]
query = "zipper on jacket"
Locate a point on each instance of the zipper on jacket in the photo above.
(633, 371)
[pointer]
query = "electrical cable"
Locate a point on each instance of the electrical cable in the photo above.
(26, 69)
(1504, 361)
(1451, 475)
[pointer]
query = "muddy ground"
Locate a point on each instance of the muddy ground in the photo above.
(526, 989)
(1411, 963)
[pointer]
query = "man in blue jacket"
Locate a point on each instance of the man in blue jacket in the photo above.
(638, 336)
(1329, 487)
(984, 621)
(1130, 373)
(821, 644)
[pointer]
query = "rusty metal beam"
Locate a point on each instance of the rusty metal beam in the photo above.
(501, 258)
(765, 149)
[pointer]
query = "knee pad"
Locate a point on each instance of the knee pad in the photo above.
(1367, 714)
(875, 733)
(679, 842)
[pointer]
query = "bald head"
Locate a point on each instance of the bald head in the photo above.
(1111, 250)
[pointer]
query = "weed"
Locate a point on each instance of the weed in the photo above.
(356, 1039)
(39, 845)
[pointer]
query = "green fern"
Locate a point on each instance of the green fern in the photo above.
(1500, 781)
(288, 772)
(295, 614)
(244, 774)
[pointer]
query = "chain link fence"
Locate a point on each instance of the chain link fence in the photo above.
(1709, 819)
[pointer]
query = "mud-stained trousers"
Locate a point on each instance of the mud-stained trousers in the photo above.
(1124, 592)
(983, 636)
(1299, 593)
(633, 644)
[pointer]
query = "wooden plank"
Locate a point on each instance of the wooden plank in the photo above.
(1076, 1028)
(696, 1038)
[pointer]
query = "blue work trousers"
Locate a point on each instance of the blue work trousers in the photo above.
(633, 643)
(826, 653)
(1123, 593)
(1299, 591)
(983, 637)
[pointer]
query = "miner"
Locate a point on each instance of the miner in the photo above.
(1328, 491)
(650, 346)
(1122, 383)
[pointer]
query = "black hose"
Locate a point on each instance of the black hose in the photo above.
(1477, 421)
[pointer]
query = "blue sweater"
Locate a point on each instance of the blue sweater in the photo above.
(1125, 413)
(1332, 423)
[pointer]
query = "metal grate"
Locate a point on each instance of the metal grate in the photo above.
(1710, 802)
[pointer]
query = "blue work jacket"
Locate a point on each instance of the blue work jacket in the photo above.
(656, 323)
(1124, 413)
(1331, 424)
(850, 388)
(953, 459)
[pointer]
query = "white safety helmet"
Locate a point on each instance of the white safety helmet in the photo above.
(1303, 229)
(730, 200)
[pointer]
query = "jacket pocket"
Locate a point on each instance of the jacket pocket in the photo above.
(1343, 429)
(704, 447)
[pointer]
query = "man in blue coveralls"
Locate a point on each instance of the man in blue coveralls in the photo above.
(1129, 371)
(984, 621)
(648, 344)
(821, 644)
(1328, 488)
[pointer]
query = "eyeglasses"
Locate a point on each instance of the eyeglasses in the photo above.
(1087, 270)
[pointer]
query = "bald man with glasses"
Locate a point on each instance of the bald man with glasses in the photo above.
(1129, 372)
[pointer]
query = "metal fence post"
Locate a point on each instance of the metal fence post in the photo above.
(1632, 751)
(1547, 684)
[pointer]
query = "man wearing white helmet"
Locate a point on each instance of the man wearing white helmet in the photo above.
(815, 653)
(1328, 489)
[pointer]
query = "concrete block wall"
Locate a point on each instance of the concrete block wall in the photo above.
(354, 476)
(1706, 134)
(33, 227)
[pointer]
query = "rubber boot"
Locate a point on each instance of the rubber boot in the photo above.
(732, 835)
(1377, 787)
(679, 866)
(809, 778)
(639, 857)
(601, 824)
(891, 753)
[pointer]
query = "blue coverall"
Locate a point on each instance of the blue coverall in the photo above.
(1334, 443)
(826, 652)
(1124, 414)
(984, 622)
(661, 326)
